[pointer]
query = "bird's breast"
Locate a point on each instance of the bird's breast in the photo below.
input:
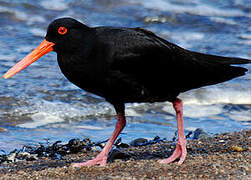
(84, 74)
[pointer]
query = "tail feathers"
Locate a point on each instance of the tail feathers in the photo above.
(220, 59)
(220, 68)
(209, 76)
(211, 69)
(228, 72)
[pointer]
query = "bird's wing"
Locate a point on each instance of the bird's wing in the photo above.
(140, 54)
(140, 51)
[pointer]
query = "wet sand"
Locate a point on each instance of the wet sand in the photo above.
(224, 156)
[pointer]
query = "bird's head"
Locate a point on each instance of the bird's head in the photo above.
(63, 35)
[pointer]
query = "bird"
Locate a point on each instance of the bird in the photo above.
(127, 65)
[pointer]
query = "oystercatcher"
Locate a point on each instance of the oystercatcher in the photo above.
(126, 65)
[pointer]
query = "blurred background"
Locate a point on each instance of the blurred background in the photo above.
(39, 104)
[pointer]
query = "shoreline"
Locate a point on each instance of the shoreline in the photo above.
(223, 156)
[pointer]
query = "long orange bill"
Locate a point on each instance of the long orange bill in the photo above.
(41, 50)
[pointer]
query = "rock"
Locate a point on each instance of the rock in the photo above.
(200, 133)
(26, 156)
(138, 142)
(119, 144)
(12, 156)
(117, 154)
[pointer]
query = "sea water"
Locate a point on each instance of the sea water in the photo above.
(39, 104)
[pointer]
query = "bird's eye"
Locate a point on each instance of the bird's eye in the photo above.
(62, 30)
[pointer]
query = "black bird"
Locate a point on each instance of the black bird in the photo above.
(130, 65)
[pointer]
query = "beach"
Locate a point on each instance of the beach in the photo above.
(223, 156)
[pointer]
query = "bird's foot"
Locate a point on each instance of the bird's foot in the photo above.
(99, 160)
(180, 151)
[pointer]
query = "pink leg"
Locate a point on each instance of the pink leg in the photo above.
(103, 155)
(180, 150)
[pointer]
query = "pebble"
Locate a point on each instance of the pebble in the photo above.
(221, 141)
(237, 148)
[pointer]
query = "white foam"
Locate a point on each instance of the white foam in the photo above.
(46, 112)
(131, 112)
(24, 49)
(245, 36)
(188, 36)
(9, 57)
(218, 95)
(185, 38)
(245, 42)
(23, 16)
(36, 19)
(89, 127)
(241, 115)
(19, 15)
(57, 5)
(38, 32)
(197, 8)
(195, 111)
(191, 128)
(41, 119)
(223, 20)
(245, 39)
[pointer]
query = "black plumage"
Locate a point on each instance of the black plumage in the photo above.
(135, 65)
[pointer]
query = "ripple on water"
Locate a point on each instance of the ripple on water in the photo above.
(57, 5)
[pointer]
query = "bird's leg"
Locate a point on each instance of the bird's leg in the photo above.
(101, 158)
(180, 150)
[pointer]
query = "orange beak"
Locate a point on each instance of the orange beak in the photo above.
(41, 50)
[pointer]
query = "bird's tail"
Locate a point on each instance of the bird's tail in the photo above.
(220, 59)
(215, 69)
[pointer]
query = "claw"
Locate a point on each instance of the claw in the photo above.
(180, 151)
(96, 161)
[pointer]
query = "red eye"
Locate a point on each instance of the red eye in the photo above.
(62, 30)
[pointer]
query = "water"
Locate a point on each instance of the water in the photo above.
(40, 104)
